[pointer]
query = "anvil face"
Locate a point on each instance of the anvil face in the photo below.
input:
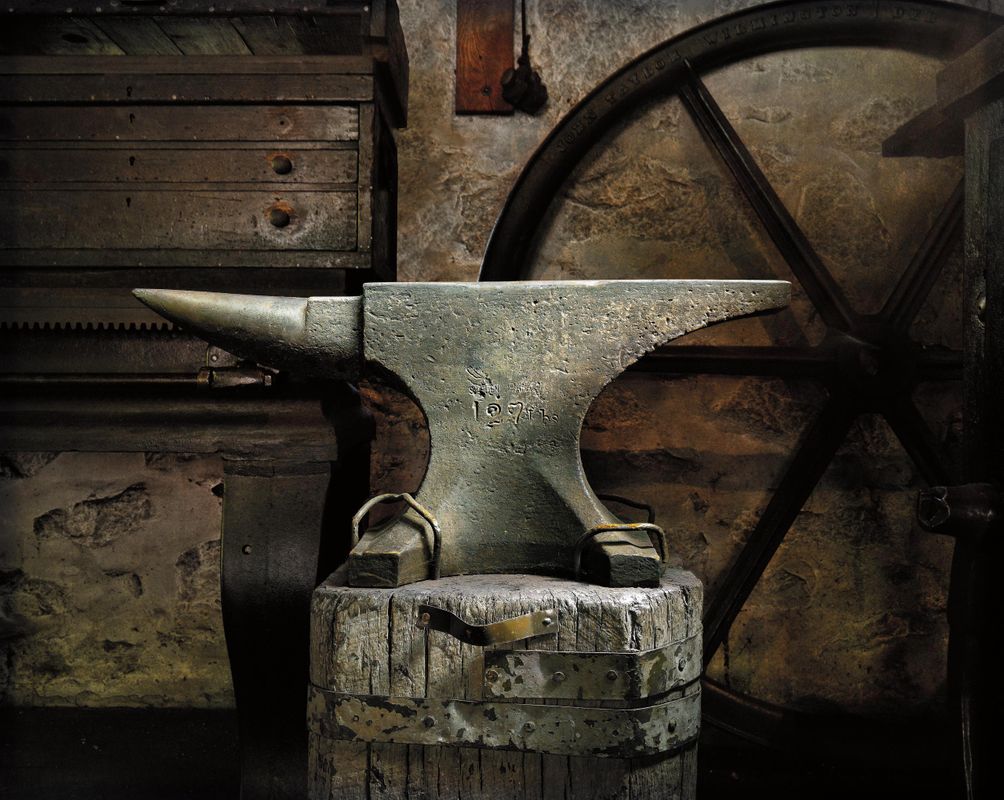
(505, 373)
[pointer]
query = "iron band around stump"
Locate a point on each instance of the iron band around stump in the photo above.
(559, 730)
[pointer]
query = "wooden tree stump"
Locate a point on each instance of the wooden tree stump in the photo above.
(365, 643)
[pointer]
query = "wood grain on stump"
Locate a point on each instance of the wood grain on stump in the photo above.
(365, 641)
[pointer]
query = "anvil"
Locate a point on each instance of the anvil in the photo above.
(505, 373)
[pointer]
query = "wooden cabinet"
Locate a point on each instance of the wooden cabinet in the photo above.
(119, 162)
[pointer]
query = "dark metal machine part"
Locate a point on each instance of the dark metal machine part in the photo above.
(969, 118)
(505, 373)
(869, 363)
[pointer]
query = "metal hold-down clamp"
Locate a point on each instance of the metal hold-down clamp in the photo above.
(418, 508)
(655, 533)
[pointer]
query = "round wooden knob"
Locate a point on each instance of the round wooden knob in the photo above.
(278, 217)
(282, 165)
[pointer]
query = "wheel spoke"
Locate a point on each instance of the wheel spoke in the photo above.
(794, 247)
(816, 450)
(918, 440)
(915, 285)
(783, 362)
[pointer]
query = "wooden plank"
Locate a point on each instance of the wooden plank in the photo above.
(367, 141)
(383, 212)
(167, 165)
(114, 267)
(929, 134)
(182, 7)
(307, 34)
(56, 36)
(269, 36)
(137, 36)
(203, 36)
(187, 65)
(977, 76)
(157, 123)
(250, 426)
(204, 220)
(484, 52)
(131, 89)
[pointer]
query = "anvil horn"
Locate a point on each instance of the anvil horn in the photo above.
(318, 335)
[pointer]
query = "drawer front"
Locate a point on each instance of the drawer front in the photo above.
(295, 165)
(185, 124)
(71, 219)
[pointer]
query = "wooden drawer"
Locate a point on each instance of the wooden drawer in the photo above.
(202, 219)
(169, 163)
(139, 123)
(126, 177)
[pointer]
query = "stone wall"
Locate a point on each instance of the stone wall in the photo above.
(108, 564)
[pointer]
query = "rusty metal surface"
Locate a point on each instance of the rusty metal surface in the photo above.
(559, 730)
(536, 623)
(505, 373)
(573, 675)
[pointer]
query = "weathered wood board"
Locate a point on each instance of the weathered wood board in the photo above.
(484, 52)
(195, 220)
(177, 164)
(365, 641)
(182, 124)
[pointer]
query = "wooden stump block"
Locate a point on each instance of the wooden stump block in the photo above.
(377, 675)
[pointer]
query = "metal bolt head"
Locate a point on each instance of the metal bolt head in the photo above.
(529, 727)
(425, 619)
(282, 165)
(558, 677)
(547, 622)
(278, 217)
(491, 676)
(428, 722)
(681, 664)
(611, 674)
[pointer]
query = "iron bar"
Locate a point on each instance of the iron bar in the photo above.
(918, 441)
(915, 285)
(816, 450)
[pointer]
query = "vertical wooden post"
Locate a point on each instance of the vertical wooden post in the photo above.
(975, 610)
(484, 52)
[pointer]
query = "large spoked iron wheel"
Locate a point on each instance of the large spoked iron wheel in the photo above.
(868, 362)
